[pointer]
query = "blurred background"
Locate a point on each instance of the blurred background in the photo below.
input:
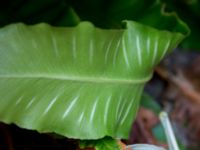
(175, 86)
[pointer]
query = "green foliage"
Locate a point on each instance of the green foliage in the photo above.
(189, 12)
(57, 13)
(83, 81)
(148, 102)
(159, 133)
(106, 143)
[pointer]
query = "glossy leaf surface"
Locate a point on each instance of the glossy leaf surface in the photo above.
(80, 82)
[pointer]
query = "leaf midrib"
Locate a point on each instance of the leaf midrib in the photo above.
(78, 79)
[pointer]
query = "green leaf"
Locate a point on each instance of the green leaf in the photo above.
(82, 82)
(54, 12)
(189, 12)
(152, 13)
(159, 133)
(148, 102)
(106, 143)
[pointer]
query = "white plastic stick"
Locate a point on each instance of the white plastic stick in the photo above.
(168, 131)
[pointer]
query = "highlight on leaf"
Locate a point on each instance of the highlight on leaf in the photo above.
(81, 82)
